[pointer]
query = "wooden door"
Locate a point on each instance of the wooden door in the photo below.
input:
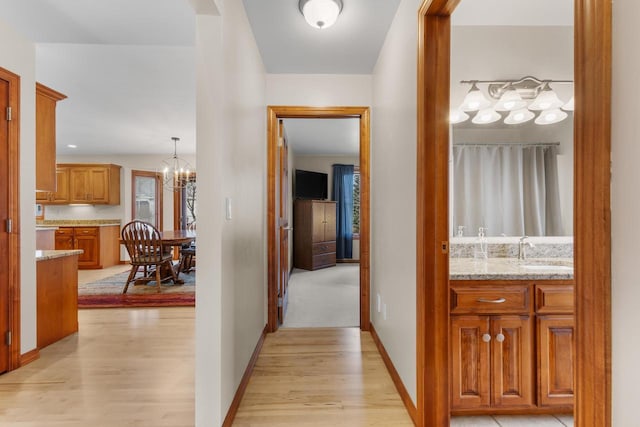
(330, 214)
(470, 355)
(79, 185)
(4, 236)
(283, 224)
(512, 361)
(555, 360)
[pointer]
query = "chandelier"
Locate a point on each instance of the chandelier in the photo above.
(515, 101)
(175, 171)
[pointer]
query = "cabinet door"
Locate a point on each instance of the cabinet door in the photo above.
(64, 239)
(330, 221)
(470, 351)
(317, 224)
(43, 196)
(512, 361)
(86, 238)
(99, 185)
(61, 195)
(555, 360)
(79, 185)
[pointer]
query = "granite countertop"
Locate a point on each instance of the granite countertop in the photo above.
(46, 227)
(78, 222)
(511, 269)
(51, 254)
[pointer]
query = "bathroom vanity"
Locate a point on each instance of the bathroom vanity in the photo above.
(512, 332)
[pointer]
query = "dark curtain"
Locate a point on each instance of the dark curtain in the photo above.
(343, 195)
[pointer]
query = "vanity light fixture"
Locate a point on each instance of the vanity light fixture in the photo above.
(547, 99)
(320, 14)
(569, 106)
(486, 116)
(551, 116)
(457, 116)
(510, 100)
(516, 117)
(475, 100)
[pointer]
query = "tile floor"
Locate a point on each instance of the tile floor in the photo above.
(514, 421)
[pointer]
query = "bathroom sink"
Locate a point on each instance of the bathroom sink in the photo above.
(546, 267)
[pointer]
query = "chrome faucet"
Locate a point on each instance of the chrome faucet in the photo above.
(522, 247)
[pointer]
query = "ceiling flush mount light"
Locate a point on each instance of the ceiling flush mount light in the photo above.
(549, 117)
(320, 13)
(175, 171)
(457, 116)
(486, 116)
(516, 117)
(475, 100)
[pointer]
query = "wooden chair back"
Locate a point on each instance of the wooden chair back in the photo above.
(143, 243)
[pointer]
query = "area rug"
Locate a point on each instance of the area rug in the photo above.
(107, 293)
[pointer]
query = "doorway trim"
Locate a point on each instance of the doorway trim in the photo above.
(13, 153)
(274, 113)
(592, 228)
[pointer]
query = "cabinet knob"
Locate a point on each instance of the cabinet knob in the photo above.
(499, 337)
(486, 337)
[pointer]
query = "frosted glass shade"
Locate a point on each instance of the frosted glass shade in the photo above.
(549, 117)
(519, 116)
(486, 116)
(509, 101)
(457, 116)
(546, 100)
(475, 100)
(320, 13)
(569, 106)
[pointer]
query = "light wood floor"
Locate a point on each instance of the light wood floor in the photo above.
(126, 367)
(321, 377)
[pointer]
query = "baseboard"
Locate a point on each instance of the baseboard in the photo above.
(347, 261)
(235, 404)
(29, 356)
(404, 395)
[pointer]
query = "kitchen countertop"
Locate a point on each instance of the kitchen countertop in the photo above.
(511, 269)
(78, 222)
(51, 254)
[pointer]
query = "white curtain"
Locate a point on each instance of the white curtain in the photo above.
(510, 189)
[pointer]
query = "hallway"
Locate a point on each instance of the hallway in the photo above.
(321, 377)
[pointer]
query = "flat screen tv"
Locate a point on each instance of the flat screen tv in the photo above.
(310, 185)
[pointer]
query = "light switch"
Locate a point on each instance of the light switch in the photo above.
(228, 207)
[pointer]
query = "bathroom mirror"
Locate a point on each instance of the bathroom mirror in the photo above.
(511, 171)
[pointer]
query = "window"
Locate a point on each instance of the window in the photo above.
(146, 191)
(185, 205)
(356, 203)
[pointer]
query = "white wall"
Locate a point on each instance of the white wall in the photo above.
(18, 56)
(231, 135)
(625, 211)
(319, 90)
(393, 198)
(508, 52)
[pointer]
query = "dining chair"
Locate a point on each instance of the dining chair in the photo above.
(188, 253)
(144, 247)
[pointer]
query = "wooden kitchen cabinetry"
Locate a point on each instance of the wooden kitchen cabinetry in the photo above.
(100, 245)
(511, 352)
(85, 184)
(46, 101)
(314, 234)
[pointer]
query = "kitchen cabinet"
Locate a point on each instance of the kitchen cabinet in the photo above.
(314, 234)
(46, 101)
(511, 346)
(85, 184)
(100, 245)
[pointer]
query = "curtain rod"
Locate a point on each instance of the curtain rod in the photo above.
(491, 144)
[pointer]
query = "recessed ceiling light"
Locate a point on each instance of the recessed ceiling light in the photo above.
(72, 146)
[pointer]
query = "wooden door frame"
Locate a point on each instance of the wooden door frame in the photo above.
(592, 241)
(275, 113)
(14, 214)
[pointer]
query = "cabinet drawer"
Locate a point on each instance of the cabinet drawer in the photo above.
(64, 232)
(323, 248)
(490, 299)
(324, 260)
(554, 299)
(86, 231)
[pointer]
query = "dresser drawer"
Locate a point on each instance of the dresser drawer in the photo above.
(557, 299)
(323, 248)
(324, 260)
(490, 299)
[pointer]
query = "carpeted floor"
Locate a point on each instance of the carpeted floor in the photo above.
(329, 297)
(107, 293)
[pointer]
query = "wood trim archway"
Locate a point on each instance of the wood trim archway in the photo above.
(592, 222)
(13, 153)
(274, 113)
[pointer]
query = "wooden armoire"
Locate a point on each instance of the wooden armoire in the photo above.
(314, 234)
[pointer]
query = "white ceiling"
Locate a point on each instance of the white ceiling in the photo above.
(335, 137)
(289, 45)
